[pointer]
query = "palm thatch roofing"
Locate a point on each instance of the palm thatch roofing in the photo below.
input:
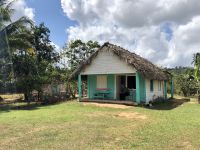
(143, 66)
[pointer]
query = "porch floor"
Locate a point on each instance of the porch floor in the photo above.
(123, 102)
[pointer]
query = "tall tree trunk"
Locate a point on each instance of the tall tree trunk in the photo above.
(72, 94)
(27, 96)
(40, 95)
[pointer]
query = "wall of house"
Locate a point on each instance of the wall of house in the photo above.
(151, 95)
(140, 88)
(92, 85)
(106, 62)
(111, 85)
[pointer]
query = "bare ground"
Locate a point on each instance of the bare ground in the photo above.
(108, 105)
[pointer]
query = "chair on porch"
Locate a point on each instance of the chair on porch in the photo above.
(132, 95)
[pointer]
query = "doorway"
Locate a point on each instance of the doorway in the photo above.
(127, 82)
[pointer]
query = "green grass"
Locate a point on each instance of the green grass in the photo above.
(72, 125)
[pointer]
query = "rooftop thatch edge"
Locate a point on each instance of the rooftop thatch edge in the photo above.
(143, 66)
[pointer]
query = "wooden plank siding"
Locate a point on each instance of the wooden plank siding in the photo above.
(107, 63)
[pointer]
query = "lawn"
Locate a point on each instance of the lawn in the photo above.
(73, 125)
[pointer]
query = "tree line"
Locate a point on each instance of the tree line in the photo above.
(29, 60)
(187, 79)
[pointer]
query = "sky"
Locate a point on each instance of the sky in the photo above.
(166, 32)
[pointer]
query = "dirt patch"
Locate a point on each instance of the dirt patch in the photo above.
(108, 105)
(131, 115)
(185, 145)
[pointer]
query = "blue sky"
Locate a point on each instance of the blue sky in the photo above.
(51, 13)
(164, 31)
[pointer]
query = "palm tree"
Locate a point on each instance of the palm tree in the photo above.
(16, 34)
(196, 62)
(13, 36)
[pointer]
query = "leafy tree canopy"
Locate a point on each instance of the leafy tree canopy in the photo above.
(77, 51)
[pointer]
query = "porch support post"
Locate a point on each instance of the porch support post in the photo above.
(138, 88)
(172, 88)
(165, 89)
(79, 87)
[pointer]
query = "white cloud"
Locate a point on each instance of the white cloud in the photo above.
(57, 48)
(21, 9)
(137, 25)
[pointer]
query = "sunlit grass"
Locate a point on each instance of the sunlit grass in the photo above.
(11, 96)
(72, 125)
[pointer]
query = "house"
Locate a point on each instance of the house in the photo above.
(111, 70)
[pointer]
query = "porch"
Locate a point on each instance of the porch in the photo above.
(112, 88)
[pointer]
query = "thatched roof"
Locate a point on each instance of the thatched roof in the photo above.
(143, 66)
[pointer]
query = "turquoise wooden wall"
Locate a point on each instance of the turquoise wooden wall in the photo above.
(140, 88)
(79, 87)
(111, 85)
(172, 88)
(165, 89)
(91, 83)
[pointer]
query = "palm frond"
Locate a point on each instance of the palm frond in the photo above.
(15, 26)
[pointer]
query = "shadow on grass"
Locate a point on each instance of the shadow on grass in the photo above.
(169, 104)
(19, 106)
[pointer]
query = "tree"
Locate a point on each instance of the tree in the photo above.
(184, 81)
(77, 52)
(185, 84)
(46, 56)
(196, 62)
(16, 34)
(33, 66)
(13, 36)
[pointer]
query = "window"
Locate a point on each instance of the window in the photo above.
(159, 85)
(102, 81)
(131, 82)
(151, 85)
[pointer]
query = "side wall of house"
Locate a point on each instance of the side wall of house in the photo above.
(151, 95)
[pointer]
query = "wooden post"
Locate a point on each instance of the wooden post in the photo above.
(172, 88)
(165, 89)
(79, 87)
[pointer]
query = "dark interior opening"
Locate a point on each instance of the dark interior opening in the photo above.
(131, 82)
(123, 80)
